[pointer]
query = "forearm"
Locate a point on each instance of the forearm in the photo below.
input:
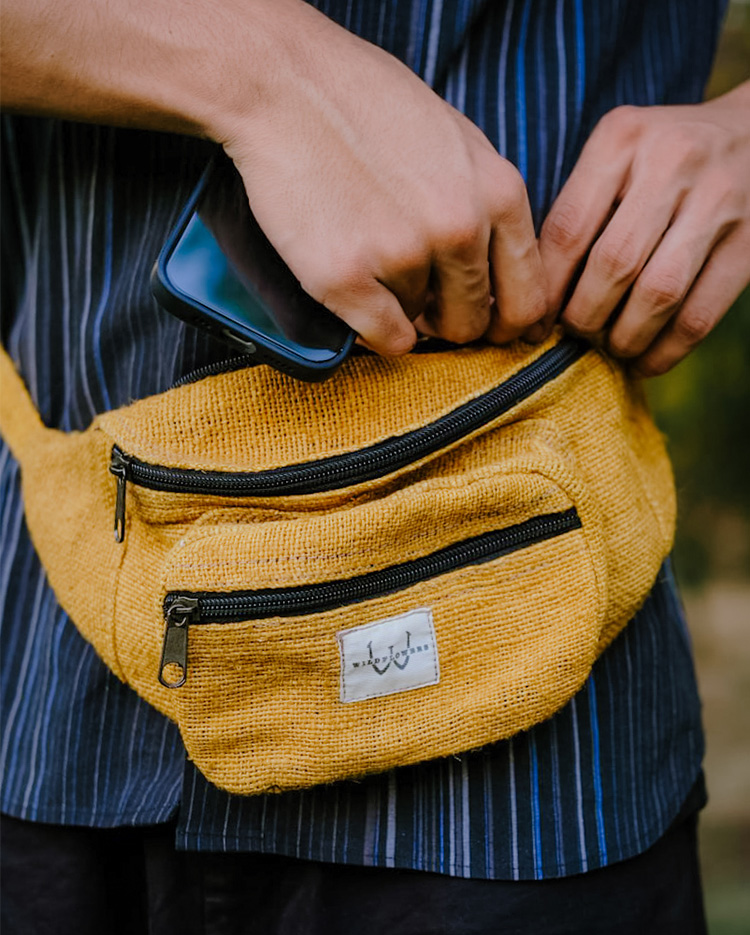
(183, 67)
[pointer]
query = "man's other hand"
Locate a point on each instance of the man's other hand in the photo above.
(655, 219)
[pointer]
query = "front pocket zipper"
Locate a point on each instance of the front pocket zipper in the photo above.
(338, 471)
(183, 609)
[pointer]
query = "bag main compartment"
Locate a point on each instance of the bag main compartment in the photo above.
(318, 465)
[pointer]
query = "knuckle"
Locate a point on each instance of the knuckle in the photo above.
(513, 183)
(531, 309)
(466, 320)
(578, 324)
(510, 193)
(623, 123)
(563, 227)
(462, 331)
(689, 147)
(401, 251)
(651, 366)
(463, 239)
(628, 340)
(622, 347)
(408, 257)
(460, 235)
(662, 289)
(617, 258)
(693, 326)
(731, 202)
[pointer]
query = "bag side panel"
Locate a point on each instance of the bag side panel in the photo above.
(69, 499)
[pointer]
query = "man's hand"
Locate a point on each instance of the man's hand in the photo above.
(656, 216)
(389, 206)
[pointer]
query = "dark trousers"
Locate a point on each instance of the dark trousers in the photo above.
(77, 881)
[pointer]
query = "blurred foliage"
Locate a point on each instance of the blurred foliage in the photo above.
(703, 405)
(733, 55)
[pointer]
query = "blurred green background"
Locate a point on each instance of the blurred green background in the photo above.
(703, 406)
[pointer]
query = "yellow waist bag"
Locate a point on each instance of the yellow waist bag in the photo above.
(416, 558)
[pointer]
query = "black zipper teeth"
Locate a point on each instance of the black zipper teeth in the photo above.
(235, 606)
(425, 345)
(211, 370)
(366, 463)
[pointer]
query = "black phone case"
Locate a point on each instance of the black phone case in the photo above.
(252, 341)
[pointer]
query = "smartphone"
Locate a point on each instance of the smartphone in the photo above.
(218, 271)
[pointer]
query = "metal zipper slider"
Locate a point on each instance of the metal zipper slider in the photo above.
(119, 467)
(178, 616)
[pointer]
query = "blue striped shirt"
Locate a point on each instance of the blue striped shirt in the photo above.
(86, 210)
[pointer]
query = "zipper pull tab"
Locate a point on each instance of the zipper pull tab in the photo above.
(118, 466)
(178, 616)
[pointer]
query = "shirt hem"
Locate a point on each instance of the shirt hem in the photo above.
(631, 847)
(83, 818)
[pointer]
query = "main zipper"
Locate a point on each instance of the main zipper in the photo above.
(353, 467)
(183, 609)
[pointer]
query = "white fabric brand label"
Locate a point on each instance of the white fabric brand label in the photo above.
(388, 656)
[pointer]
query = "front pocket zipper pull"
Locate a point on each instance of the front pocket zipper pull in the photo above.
(178, 616)
(118, 467)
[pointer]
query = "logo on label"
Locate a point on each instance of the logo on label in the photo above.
(400, 658)
(387, 656)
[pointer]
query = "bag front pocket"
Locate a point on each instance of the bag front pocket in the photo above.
(395, 637)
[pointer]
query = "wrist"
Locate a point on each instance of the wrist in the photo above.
(280, 53)
(734, 107)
